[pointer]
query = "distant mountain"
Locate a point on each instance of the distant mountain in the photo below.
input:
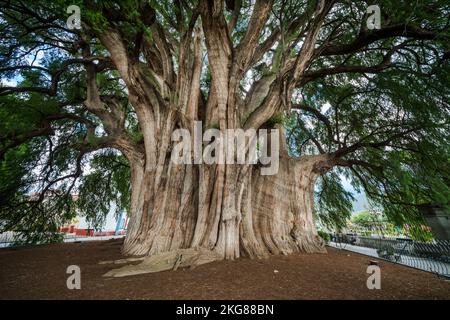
(360, 203)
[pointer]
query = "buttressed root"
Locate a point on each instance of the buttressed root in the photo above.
(171, 260)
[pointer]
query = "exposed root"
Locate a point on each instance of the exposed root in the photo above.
(122, 261)
(310, 243)
(171, 260)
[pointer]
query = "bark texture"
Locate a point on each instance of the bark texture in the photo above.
(258, 215)
(214, 211)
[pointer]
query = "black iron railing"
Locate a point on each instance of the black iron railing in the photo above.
(428, 256)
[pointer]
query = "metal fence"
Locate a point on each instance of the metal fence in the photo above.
(7, 239)
(428, 256)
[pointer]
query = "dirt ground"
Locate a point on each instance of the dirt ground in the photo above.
(40, 273)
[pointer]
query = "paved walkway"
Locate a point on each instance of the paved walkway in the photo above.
(95, 238)
(429, 265)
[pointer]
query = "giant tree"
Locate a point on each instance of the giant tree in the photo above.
(91, 110)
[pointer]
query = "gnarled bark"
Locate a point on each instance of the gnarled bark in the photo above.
(283, 207)
(226, 211)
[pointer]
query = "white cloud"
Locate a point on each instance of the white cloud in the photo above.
(8, 82)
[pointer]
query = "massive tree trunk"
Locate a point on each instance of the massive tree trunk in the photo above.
(231, 210)
(228, 210)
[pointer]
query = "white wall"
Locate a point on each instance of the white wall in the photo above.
(110, 221)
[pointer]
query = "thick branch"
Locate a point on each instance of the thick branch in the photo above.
(365, 38)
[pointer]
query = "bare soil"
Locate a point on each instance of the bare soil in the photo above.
(40, 273)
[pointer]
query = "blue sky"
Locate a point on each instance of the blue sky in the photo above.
(360, 203)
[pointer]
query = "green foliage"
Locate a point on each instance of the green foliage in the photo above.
(108, 181)
(324, 235)
(334, 203)
(33, 222)
(419, 233)
(370, 223)
(38, 237)
(397, 169)
(12, 173)
(276, 119)
(96, 19)
(365, 218)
